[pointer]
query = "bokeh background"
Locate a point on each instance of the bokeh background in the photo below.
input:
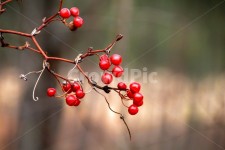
(183, 41)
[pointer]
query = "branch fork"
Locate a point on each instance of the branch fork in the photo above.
(47, 59)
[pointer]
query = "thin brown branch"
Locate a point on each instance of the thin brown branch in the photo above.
(121, 115)
(47, 21)
(5, 2)
(46, 58)
(39, 47)
(57, 75)
(60, 4)
(16, 32)
(2, 10)
(61, 59)
(23, 47)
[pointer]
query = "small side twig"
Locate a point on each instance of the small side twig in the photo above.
(121, 115)
(2, 10)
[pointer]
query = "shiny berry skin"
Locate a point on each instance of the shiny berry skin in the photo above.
(78, 22)
(71, 100)
(130, 94)
(104, 64)
(138, 97)
(74, 11)
(104, 57)
(133, 110)
(107, 78)
(75, 86)
(122, 86)
(51, 92)
(135, 87)
(116, 59)
(117, 71)
(65, 13)
(138, 104)
(67, 87)
(77, 102)
(80, 94)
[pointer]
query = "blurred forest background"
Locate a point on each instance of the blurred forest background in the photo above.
(182, 40)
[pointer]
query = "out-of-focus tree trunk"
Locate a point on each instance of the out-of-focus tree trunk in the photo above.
(39, 120)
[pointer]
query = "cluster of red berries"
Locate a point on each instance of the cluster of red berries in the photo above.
(74, 11)
(73, 90)
(106, 62)
(133, 93)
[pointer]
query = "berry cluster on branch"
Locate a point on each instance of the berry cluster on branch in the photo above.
(72, 89)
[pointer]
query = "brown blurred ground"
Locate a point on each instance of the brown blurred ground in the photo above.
(178, 113)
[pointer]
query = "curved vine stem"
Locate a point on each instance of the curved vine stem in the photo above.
(35, 86)
(121, 115)
(38, 49)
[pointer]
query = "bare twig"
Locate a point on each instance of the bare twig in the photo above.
(121, 115)
(47, 59)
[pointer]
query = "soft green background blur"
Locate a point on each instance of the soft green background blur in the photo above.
(183, 41)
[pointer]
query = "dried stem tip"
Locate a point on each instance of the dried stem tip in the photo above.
(119, 37)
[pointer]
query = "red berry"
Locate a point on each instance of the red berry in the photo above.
(75, 86)
(67, 87)
(104, 64)
(77, 102)
(71, 100)
(117, 71)
(140, 103)
(78, 22)
(51, 92)
(130, 94)
(74, 11)
(65, 13)
(122, 86)
(104, 57)
(135, 87)
(116, 59)
(107, 78)
(80, 94)
(133, 110)
(138, 97)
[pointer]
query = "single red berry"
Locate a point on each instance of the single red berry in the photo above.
(75, 86)
(74, 11)
(130, 94)
(77, 102)
(104, 64)
(67, 87)
(135, 87)
(104, 57)
(138, 97)
(140, 103)
(51, 92)
(80, 94)
(122, 86)
(116, 59)
(107, 78)
(117, 71)
(78, 22)
(65, 13)
(71, 100)
(133, 110)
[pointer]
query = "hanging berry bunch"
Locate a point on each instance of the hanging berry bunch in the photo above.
(72, 89)
(77, 22)
(131, 94)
